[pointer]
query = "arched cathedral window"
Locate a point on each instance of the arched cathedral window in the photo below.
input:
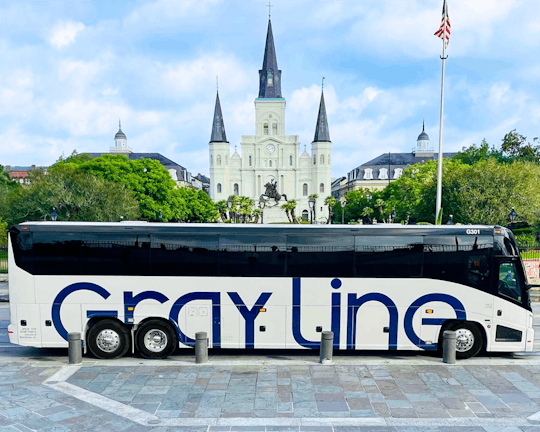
(322, 159)
(321, 188)
(274, 128)
(219, 187)
(218, 160)
(250, 161)
(304, 189)
(270, 162)
(290, 160)
(265, 128)
(236, 191)
(270, 78)
(211, 160)
(314, 160)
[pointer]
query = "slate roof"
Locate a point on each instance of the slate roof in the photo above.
(270, 65)
(392, 161)
(218, 126)
(166, 162)
(322, 132)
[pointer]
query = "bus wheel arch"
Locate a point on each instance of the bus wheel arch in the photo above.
(471, 337)
(107, 338)
(156, 338)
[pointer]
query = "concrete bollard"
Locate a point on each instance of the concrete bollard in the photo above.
(327, 346)
(74, 348)
(201, 347)
(449, 347)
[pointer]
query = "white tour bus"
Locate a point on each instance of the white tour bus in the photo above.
(149, 287)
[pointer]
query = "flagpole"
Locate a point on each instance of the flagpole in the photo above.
(439, 166)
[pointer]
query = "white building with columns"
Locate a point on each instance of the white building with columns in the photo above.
(271, 155)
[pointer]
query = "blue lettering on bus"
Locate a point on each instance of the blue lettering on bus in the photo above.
(352, 311)
(132, 302)
(249, 314)
(296, 309)
(408, 323)
(216, 316)
(57, 321)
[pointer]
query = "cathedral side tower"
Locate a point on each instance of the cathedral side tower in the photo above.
(219, 157)
(120, 142)
(321, 149)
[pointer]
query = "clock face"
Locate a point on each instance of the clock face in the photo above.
(271, 148)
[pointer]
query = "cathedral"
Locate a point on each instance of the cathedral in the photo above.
(270, 157)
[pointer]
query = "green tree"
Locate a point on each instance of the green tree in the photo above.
(314, 196)
(3, 234)
(7, 185)
(195, 205)
(75, 195)
(290, 207)
(516, 147)
(367, 212)
(147, 178)
(221, 207)
(331, 202)
(357, 200)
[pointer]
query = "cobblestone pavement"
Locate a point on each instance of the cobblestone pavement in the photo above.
(139, 395)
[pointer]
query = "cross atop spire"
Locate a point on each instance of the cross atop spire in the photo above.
(269, 5)
(270, 75)
(218, 126)
(322, 133)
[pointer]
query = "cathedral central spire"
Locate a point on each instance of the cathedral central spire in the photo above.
(270, 75)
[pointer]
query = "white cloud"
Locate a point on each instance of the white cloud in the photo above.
(65, 33)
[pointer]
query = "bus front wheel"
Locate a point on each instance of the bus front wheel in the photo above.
(108, 339)
(156, 339)
(468, 339)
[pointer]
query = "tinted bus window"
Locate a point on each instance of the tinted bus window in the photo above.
(115, 254)
(252, 255)
(56, 253)
(461, 259)
(22, 250)
(389, 256)
(184, 255)
(320, 256)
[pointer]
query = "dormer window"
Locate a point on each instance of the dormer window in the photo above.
(368, 174)
(265, 128)
(270, 78)
(398, 172)
(383, 174)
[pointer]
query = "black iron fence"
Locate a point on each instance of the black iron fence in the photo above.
(530, 251)
(3, 259)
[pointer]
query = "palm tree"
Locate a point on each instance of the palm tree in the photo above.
(221, 207)
(256, 215)
(380, 203)
(314, 196)
(330, 201)
(289, 208)
(367, 211)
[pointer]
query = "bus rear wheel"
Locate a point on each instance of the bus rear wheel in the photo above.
(469, 340)
(156, 339)
(108, 339)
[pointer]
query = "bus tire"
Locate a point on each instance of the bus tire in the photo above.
(156, 339)
(469, 339)
(108, 339)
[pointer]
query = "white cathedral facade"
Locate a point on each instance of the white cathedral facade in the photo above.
(271, 156)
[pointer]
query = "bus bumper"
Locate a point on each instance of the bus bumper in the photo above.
(12, 333)
(529, 342)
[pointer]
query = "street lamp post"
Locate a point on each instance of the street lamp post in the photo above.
(262, 203)
(393, 215)
(229, 206)
(160, 216)
(54, 215)
(343, 203)
(512, 217)
(311, 203)
(450, 220)
(237, 213)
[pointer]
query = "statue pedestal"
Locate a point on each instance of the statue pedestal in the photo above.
(275, 214)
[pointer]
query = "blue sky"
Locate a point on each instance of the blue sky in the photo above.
(69, 70)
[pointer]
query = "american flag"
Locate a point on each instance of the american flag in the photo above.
(445, 28)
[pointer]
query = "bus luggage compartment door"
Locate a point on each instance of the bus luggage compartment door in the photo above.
(28, 318)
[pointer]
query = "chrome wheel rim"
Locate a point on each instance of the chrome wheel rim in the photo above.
(464, 340)
(155, 340)
(108, 340)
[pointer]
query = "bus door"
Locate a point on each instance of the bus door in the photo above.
(510, 318)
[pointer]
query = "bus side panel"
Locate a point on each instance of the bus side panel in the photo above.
(510, 322)
(49, 335)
